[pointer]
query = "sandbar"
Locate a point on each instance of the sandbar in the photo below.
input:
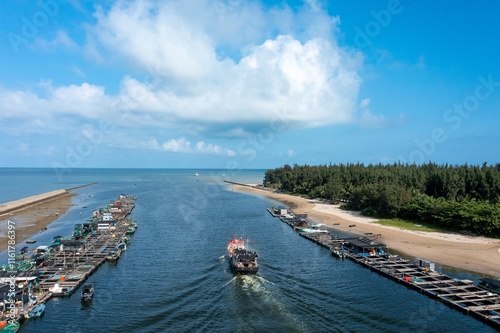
(32, 215)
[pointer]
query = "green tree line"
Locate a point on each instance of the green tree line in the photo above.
(459, 197)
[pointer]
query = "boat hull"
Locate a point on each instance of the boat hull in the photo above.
(87, 293)
(244, 270)
(37, 311)
(243, 262)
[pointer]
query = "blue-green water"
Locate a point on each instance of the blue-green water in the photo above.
(174, 277)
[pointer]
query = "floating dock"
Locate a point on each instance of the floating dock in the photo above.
(419, 275)
(65, 270)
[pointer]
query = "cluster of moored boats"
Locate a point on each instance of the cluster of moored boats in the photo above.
(28, 264)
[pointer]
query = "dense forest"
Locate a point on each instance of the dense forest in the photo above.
(464, 197)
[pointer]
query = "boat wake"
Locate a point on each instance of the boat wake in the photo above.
(257, 295)
(254, 283)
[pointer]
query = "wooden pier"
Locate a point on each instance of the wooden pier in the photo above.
(459, 294)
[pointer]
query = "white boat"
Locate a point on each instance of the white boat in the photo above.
(56, 289)
(314, 228)
(197, 174)
(310, 230)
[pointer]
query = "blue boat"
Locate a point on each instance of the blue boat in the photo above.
(37, 311)
(87, 292)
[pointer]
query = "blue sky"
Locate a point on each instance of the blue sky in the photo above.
(248, 84)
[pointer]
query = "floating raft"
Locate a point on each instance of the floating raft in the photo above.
(63, 272)
(71, 270)
(419, 275)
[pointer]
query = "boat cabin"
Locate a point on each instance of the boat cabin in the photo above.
(490, 285)
(365, 247)
(71, 245)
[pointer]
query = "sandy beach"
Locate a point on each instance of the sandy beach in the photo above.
(476, 254)
(32, 214)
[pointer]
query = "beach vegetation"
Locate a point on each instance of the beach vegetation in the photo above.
(454, 197)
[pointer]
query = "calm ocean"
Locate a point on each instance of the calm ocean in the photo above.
(174, 277)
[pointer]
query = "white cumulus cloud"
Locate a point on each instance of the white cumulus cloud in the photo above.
(301, 71)
(177, 145)
(200, 68)
(184, 146)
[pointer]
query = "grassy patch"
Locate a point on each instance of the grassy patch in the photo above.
(411, 225)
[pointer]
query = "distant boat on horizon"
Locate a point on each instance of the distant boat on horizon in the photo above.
(196, 174)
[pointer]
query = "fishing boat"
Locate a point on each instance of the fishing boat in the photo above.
(30, 241)
(9, 327)
(22, 255)
(87, 292)
(114, 255)
(313, 228)
(56, 241)
(37, 311)
(339, 252)
(241, 260)
(122, 246)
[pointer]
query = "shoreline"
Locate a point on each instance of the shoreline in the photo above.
(476, 254)
(31, 215)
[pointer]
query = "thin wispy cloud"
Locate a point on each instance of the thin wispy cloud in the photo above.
(61, 40)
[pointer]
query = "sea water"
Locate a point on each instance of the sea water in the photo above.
(175, 277)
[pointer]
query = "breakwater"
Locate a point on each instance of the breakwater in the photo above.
(11, 206)
(420, 275)
(15, 205)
